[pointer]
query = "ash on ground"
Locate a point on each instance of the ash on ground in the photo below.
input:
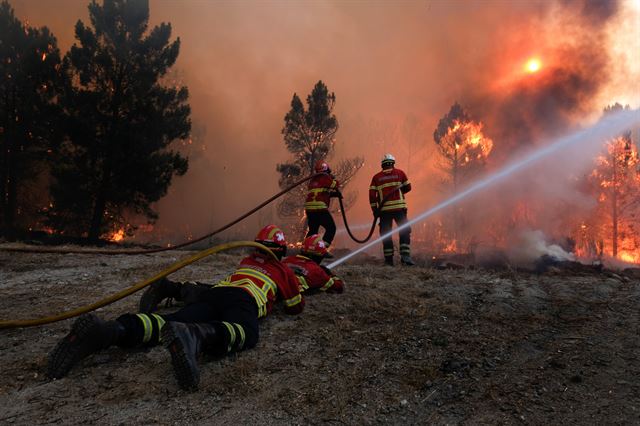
(402, 345)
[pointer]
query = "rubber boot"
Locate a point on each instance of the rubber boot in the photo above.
(156, 293)
(388, 260)
(89, 334)
(185, 342)
(406, 260)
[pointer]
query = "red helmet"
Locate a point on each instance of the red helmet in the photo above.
(322, 167)
(314, 245)
(272, 236)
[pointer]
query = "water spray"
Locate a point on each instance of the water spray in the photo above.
(607, 128)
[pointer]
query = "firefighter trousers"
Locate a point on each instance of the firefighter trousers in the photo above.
(231, 311)
(386, 223)
(322, 218)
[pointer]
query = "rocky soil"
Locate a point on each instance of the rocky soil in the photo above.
(401, 346)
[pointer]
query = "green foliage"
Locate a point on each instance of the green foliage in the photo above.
(29, 62)
(121, 120)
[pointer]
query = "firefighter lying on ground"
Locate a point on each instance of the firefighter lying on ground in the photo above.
(390, 185)
(316, 207)
(309, 273)
(222, 321)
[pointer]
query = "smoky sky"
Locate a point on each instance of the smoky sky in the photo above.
(395, 67)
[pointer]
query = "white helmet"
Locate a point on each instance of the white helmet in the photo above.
(388, 159)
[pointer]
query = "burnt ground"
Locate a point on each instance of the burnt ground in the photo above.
(402, 345)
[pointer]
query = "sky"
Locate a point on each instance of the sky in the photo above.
(396, 67)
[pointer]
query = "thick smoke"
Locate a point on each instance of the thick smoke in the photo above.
(396, 68)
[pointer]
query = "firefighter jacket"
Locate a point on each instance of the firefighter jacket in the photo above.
(385, 186)
(267, 279)
(313, 276)
(319, 192)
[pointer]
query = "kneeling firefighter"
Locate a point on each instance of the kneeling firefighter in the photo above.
(224, 320)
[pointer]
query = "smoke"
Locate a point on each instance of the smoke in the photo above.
(396, 68)
(529, 245)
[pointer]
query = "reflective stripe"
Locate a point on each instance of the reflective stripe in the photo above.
(303, 284)
(146, 324)
(242, 335)
(266, 279)
(232, 335)
(293, 301)
(388, 252)
(327, 285)
(315, 205)
(160, 320)
(256, 292)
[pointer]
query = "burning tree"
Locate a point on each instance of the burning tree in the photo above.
(464, 150)
(616, 180)
(29, 62)
(309, 135)
(122, 120)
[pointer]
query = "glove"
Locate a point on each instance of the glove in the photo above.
(375, 212)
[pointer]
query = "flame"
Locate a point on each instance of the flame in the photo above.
(533, 65)
(117, 236)
(473, 143)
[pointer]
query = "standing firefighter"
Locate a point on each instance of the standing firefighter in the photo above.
(386, 195)
(316, 207)
(224, 319)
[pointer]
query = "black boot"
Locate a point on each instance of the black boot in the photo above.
(89, 334)
(185, 342)
(156, 293)
(406, 260)
(388, 260)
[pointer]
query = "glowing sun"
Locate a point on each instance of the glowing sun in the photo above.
(533, 65)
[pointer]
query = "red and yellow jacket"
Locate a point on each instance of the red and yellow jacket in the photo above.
(267, 279)
(384, 185)
(320, 189)
(313, 276)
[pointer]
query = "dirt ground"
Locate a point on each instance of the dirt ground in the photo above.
(400, 346)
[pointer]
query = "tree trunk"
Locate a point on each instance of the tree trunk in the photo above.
(9, 184)
(99, 205)
(614, 205)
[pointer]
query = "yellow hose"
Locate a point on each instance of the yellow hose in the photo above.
(128, 291)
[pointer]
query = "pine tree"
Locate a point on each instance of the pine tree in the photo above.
(309, 134)
(463, 150)
(29, 62)
(121, 118)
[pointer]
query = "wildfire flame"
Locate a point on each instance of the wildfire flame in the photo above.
(472, 142)
(117, 236)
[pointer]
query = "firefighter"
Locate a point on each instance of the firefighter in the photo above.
(320, 190)
(306, 266)
(224, 320)
(389, 186)
(310, 273)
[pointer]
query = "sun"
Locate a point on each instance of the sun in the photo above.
(533, 65)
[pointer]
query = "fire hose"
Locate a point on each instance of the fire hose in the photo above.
(157, 250)
(128, 291)
(376, 215)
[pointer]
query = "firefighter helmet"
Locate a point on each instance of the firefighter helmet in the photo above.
(314, 245)
(322, 167)
(272, 237)
(388, 159)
